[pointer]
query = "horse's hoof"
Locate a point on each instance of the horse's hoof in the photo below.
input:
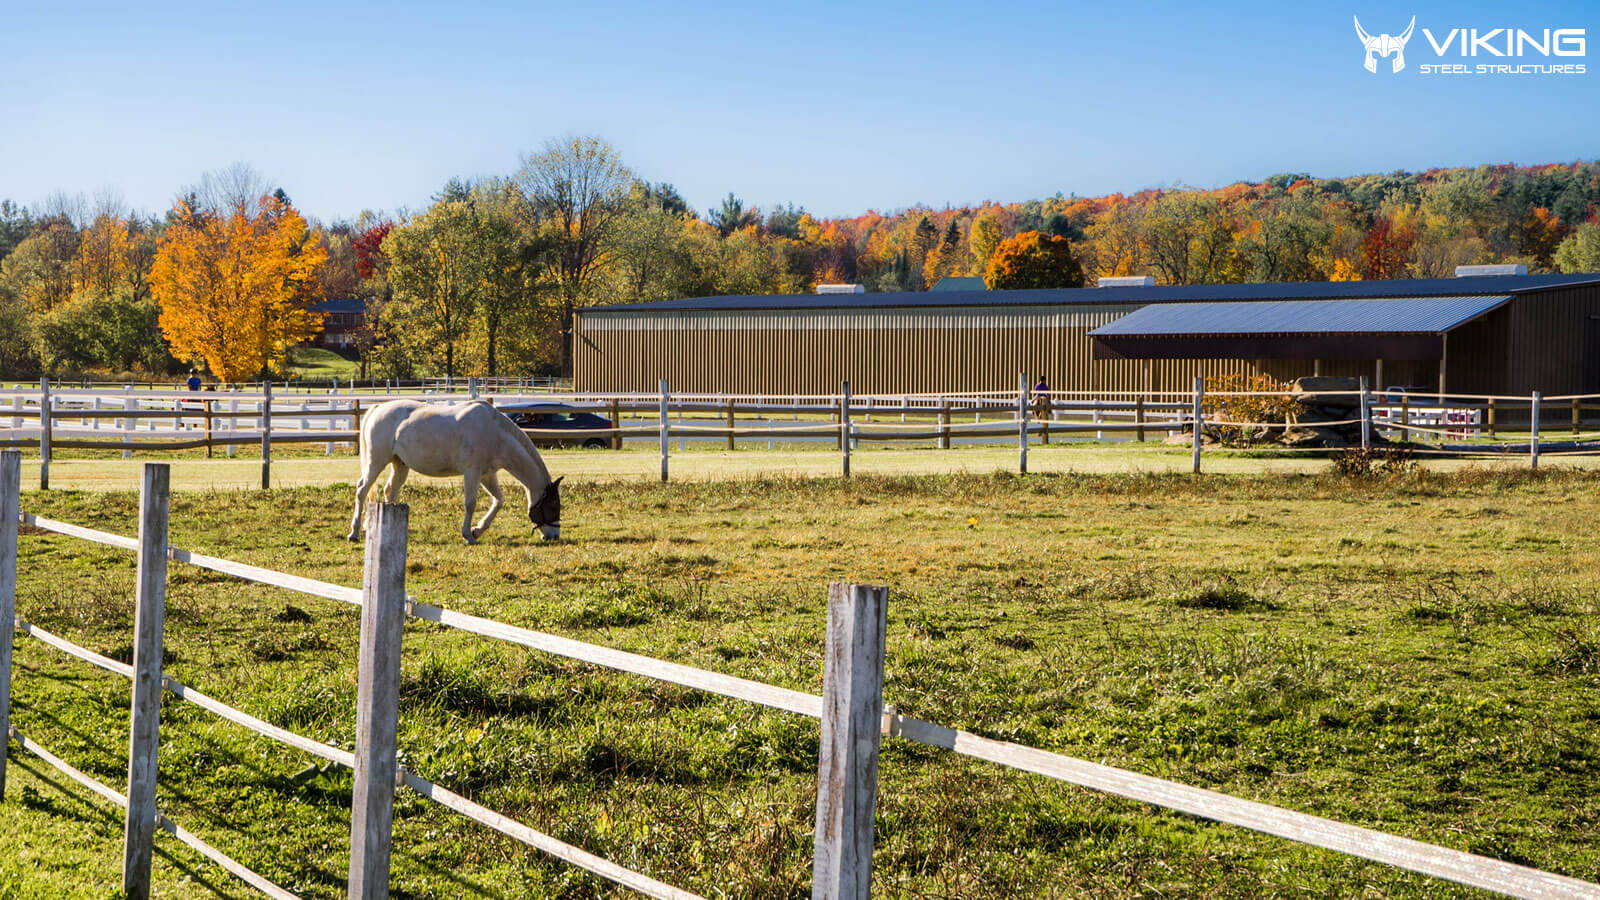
(470, 539)
(351, 537)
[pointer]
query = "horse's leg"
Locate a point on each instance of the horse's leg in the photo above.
(391, 491)
(469, 489)
(491, 483)
(368, 479)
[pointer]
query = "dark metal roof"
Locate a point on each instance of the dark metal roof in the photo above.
(342, 305)
(1291, 290)
(1387, 315)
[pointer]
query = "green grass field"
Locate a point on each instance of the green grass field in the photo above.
(317, 363)
(1419, 653)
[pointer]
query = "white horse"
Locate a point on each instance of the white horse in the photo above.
(473, 440)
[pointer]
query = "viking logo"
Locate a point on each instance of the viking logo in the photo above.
(1383, 45)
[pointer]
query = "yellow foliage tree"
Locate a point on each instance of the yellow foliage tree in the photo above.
(103, 255)
(234, 286)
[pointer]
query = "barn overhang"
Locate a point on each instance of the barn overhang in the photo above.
(1410, 328)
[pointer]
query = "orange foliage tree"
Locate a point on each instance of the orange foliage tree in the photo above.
(1033, 260)
(234, 286)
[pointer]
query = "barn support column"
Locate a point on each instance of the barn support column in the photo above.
(1444, 356)
(1377, 374)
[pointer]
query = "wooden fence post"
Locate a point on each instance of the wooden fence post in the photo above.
(1491, 417)
(616, 425)
(1533, 436)
(664, 430)
(852, 727)
(10, 506)
(383, 619)
(1577, 416)
(266, 435)
(1138, 418)
(944, 424)
(208, 428)
(44, 434)
(730, 423)
(844, 427)
(1022, 423)
(1199, 419)
(130, 404)
(1366, 417)
(144, 728)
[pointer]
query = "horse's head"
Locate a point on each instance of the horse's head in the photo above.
(546, 513)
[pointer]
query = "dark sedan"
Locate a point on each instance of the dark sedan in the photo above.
(557, 417)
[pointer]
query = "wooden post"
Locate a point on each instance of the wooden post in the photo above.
(844, 426)
(10, 506)
(130, 404)
(472, 388)
(1022, 422)
(1576, 416)
(208, 428)
(1366, 416)
(852, 728)
(44, 434)
(1405, 415)
(266, 435)
(145, 725)
(1199, 419)
(730, 423)
(664, 430)
(944, 424)
(383, 619)
(1491, 417)
(1533, 434)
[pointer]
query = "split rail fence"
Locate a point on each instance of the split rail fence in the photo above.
(851, 709)
(1453, 425)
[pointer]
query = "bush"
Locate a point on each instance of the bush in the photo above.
(1269, 406)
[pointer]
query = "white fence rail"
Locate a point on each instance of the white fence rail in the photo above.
(851, 709)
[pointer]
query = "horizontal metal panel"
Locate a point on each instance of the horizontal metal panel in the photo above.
(961, 319)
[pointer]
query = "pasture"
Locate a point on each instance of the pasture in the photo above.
(1419, 653)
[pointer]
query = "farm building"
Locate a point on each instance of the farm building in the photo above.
(1501, 334)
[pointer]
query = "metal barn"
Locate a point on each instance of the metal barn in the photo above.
(1497, 334)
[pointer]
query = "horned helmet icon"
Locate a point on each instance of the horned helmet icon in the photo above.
(1383, 45)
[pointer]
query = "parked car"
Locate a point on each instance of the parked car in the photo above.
(1396, 392)
(556, 416)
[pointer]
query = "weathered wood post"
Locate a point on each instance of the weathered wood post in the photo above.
(208, 428)
(1577, 416)
(1405, 415)
(844, 426)
(852, 727)
(1366, 416)
(730, 423)
(472, 388)
(130, 404)
(1199, 419)
(144, 728)
(383, 619)
(1138, 418)
(266, 435)
(1491, 417)
(44, 434)
(1533, 434)
(616, 425)
(10, 506)
(664, 430)
(1022, 422)
(944, 424)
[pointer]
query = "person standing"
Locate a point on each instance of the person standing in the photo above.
(194, 380)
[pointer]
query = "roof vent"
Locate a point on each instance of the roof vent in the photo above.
(841, 289)
(1127, 281)
(1501, 269)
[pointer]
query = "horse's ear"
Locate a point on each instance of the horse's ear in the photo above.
(559, 480)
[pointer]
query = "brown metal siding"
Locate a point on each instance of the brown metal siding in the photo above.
(1535, 343)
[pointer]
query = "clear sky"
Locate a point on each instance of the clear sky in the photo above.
(840, 107)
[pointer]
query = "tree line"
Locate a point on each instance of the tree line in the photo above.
(486, 279)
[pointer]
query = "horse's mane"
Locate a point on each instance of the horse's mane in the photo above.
(521, 438)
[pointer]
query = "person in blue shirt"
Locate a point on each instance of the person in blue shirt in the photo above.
(194, 380)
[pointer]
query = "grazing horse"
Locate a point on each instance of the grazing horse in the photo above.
(473, 440)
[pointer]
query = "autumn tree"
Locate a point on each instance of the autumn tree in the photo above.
(234, 283)
(1386, 249)
(983, 238)
(1580, 252)
(436, 270)
(1033, 260)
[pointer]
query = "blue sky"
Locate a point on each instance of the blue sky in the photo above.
(839, 107)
